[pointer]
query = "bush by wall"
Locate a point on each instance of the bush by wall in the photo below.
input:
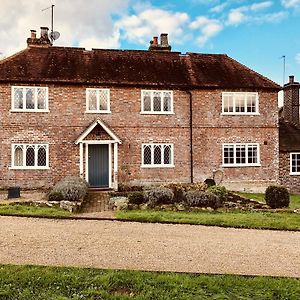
(159, 195)
(277, 196)
(136, 198)
(219, 191)
(202, 199)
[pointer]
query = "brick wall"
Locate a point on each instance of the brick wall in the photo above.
(67, 120)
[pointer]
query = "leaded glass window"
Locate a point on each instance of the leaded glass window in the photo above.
(98, 100)
(157, 102)
(157, 155)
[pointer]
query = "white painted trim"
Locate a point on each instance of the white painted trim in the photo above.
(115, 166)
(245, 94)
(152, 165)
(91, 127)
(81, 159)
(162, 103)
(291, 172)
(98, 112)
(29, 168)
(87, 163)
(97, 100)
(98, 142)
(156, 113)
(109, 166)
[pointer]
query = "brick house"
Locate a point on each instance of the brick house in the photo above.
(289, 137)
(134, 117)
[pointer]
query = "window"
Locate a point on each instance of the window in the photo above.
(26, 98)
(157, 155)
(157, 102)
(97, 100)
(241, 155)
(295, 163)
(240, 103)
(30, 156)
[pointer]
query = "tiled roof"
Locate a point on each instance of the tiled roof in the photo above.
(129, 67)
(289, 136)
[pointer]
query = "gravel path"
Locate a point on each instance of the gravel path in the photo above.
(159, 247)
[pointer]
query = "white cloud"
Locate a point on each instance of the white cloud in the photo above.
(139, 28)
(290, 3)
(261, 5)
(79, 23)
(297, 58)
(208, 28)
(236, 16)
(218, 8)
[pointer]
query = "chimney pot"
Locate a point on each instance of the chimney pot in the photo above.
(164, 40)
(33, 34)
(155, 41)
(44, 32)
(291, 79)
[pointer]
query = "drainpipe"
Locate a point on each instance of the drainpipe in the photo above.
(191, 136)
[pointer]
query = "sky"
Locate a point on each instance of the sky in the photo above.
(256, 33)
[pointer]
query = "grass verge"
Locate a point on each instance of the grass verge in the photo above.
(53, 283)
(238, 219)
(30, 210)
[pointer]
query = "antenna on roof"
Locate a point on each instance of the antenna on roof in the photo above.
(54, 35)
(283, 76)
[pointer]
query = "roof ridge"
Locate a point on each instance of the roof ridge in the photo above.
(6, 59)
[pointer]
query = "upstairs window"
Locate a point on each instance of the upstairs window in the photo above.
(239, 103)
(295, 163)
(30, 156)
(157, 155)
(97, 100)
(29, 99)
(236, 155)
(157, 102)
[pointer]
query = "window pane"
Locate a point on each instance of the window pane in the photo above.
(29, 98)
(240, 151)
(18, 156)
(103, 99)
(157, 154)
(42, 156)
(251, 103)
(30, 156)
(18, 98)
(167, 154)
(228, 103)
(147, 155)
(239, 103)
(167, 101)
(92, 100)
(41, 98)
(157, 101)
(147, 101)
(228, 154)
(296, 162)
(252, 154)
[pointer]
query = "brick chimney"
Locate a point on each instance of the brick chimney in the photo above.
(291, 100)
(163, 46)
(43, 41)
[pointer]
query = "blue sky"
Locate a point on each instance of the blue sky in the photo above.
(256, 33)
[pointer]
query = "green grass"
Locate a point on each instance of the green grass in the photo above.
(239, 219)
(30, 210)
(53, 283)
(294, 198)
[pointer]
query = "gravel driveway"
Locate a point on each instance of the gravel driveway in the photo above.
(159, 247)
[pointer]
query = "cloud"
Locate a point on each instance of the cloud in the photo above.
(140, 27)
(236, 16)
(261, 5)
(208, 28)
(78, 24)
(297, 58)
(290, 3)
(218, 8)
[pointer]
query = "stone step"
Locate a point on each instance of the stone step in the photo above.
(96, 201)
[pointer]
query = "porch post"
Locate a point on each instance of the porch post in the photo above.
(115, 166)
(81, 160)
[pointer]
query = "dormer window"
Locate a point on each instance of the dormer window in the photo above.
(29, 99)
(156, 102)
(239, 103)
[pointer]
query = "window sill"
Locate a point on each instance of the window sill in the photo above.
(240, 165)
(30, 110)
(29, 168)
(295, 174)
(156, 113)
(239, 114)
(156, 166)
(98, 112)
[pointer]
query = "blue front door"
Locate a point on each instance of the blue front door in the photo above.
(98, 166)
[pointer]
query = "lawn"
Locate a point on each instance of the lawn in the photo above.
(238, 219)
(31, 210)
(54, 283)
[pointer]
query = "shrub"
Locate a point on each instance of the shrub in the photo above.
(129, 188)
(159, 195)
(219, 191)
(202, 199)
(210, 182)
(72, 188)
(277, 196)
(136, 198)
(55, 196)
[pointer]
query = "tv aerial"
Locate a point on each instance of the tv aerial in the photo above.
(53, 35)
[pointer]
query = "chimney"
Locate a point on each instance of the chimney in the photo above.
(163, 46)
(43, 41)
(291, 101)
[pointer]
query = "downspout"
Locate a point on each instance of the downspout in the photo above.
(191, 137)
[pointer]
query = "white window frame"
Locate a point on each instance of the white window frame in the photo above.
(291, 163)
(246, 164)
(152, 165)
(106, 111)
(234, 95)
(152, 111)
(35, 146)
(24, 109)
